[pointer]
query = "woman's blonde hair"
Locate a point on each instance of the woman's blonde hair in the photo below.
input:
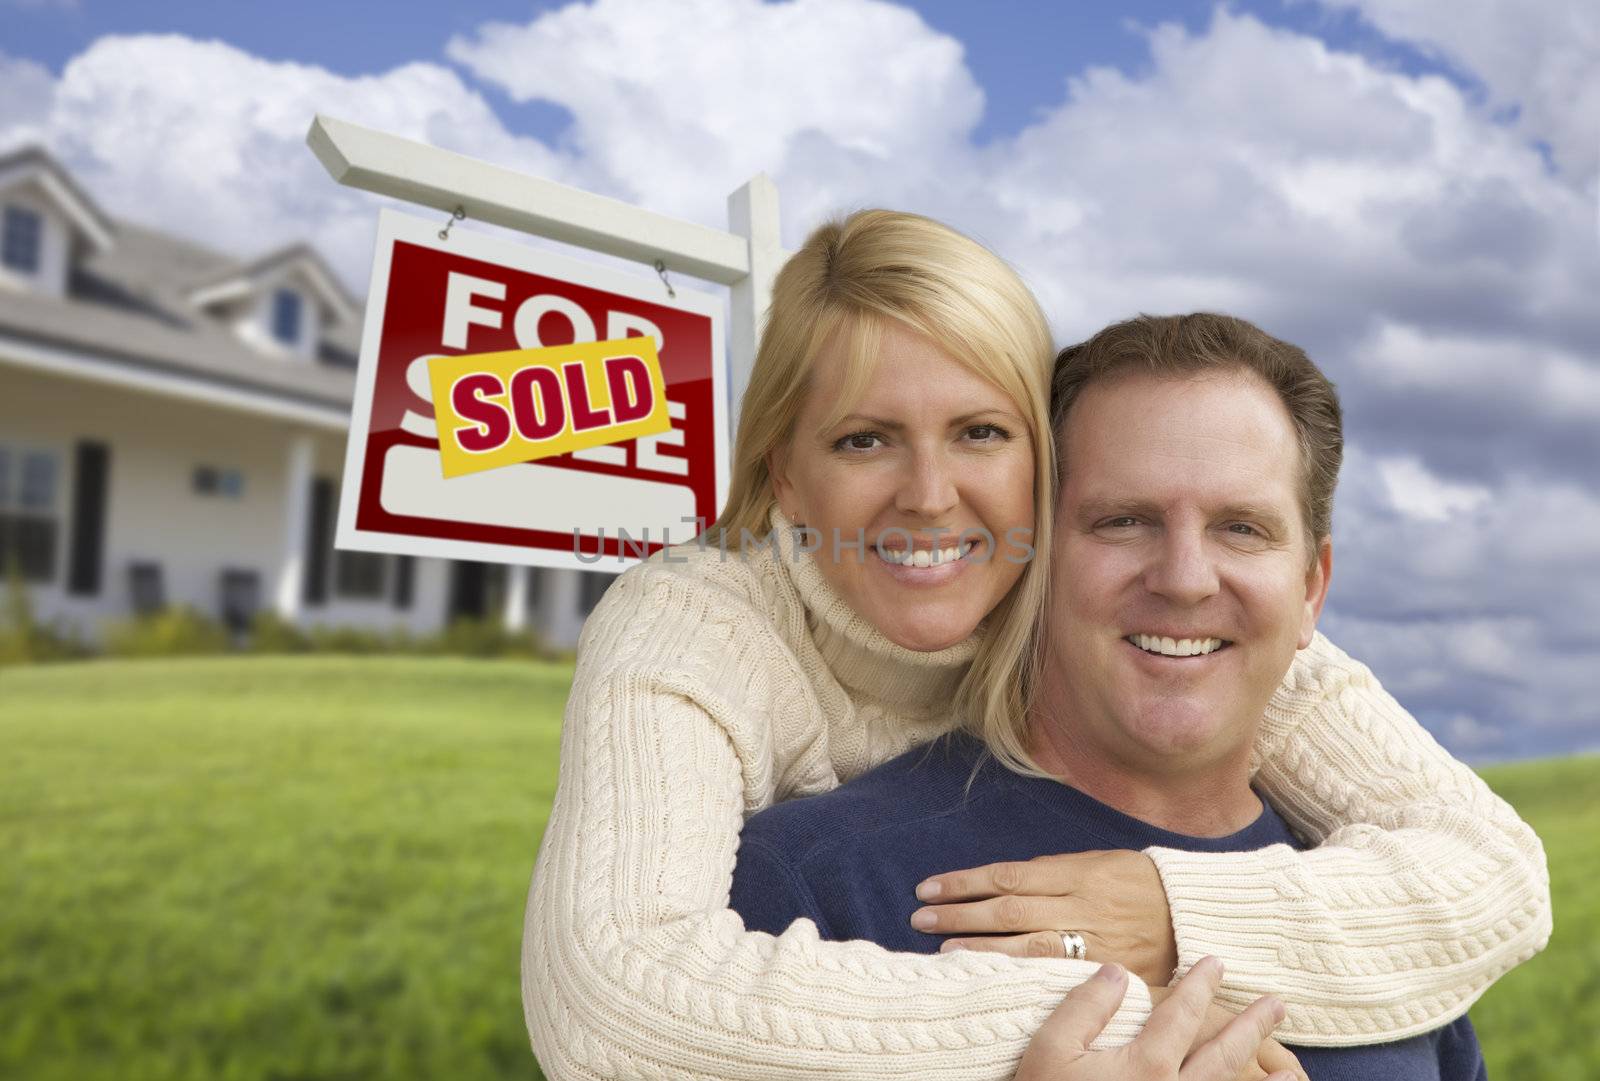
(851, 278)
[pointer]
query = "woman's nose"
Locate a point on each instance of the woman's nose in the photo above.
(929, 490)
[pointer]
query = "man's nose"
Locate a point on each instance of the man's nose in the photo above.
(929, 489)
(1181, 568)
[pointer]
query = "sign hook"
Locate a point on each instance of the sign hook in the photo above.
(459, 214)
(661, 269)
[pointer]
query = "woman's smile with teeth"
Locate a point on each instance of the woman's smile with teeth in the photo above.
(1176, 647)
(925, 557)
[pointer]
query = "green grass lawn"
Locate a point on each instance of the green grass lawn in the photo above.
(287, 869)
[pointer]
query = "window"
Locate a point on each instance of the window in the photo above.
(19, 246)
(241, 598)
(214, 480)
(358, 575)
(592, 588)
(29, 519)
(286, 316)
(146, 592)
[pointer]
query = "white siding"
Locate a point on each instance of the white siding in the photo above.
(154, 514)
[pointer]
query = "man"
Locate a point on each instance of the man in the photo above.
(1191, 560)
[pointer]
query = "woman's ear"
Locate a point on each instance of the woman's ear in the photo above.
(782, 489)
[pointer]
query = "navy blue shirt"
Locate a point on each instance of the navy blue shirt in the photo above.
(849, 860)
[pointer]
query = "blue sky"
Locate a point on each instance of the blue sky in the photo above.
(1408, 189)
(1019, 51)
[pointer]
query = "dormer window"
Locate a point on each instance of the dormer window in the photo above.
(286, 316)
(20, 235)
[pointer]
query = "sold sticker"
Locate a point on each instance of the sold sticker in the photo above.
(497, 409)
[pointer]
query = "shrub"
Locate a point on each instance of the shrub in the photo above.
(485, 638)
(171, 632)
(23, 638)
(271, 633)
(348, 640)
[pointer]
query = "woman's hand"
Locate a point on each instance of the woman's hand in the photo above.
(1115, 900)
(1271, 1057)
(1060, 1051)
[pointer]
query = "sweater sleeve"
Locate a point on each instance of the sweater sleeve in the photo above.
(1424, 888)
(632, 964)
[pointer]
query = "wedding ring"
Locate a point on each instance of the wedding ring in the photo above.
(1073, 946)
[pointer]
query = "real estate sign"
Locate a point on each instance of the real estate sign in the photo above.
(519, 406)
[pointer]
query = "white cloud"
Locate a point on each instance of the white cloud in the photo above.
(1469, 733)
(209, 141)
(1542, 380)
(751, 87)
(1417, 493)
(1543, 59)
(25, 103)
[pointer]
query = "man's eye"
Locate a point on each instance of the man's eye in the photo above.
(858, 441)
(1244, 529)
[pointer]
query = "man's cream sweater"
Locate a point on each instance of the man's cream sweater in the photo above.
(708, 689)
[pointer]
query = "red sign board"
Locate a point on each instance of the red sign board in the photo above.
(477, 294)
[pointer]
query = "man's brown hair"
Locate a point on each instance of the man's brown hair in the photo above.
(1182, 345)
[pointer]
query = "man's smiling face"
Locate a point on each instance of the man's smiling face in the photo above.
(1183, 580)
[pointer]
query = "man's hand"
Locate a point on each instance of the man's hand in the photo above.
(1060, 1051)
(1115, 900)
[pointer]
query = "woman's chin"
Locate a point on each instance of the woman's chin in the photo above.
(928, 637)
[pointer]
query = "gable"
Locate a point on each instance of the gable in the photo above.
(33, 173)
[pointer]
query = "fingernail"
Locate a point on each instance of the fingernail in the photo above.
(1210, 966)
(927, 891)
(950, 945)
(1111, 973)
(1278, 1011)
(924, 918)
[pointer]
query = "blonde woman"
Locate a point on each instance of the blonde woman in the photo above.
(898, 412)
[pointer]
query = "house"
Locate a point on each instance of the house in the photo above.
(172, 431)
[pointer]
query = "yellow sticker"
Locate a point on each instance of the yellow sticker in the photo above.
(497, 409)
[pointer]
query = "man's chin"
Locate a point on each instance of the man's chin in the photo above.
(1181, 734)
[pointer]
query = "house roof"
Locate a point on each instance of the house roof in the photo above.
(33, 163)
(132, 303)
(241, 278)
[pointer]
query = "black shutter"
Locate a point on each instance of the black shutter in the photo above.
(91, 473)
(319, 540)
(403, 571)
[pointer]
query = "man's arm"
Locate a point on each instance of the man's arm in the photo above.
(768, 894)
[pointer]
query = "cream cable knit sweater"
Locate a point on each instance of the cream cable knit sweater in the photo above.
(708, 689)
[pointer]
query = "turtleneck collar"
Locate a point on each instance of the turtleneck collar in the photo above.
(865, 662)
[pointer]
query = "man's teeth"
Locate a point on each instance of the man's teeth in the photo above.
(925, 557)
(1175, 647)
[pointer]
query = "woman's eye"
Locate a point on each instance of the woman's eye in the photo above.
(1123, 521)
(858, 441)
(987, 433)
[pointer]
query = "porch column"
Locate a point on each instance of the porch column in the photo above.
(296, 520)
(516, 608)
(560, 618)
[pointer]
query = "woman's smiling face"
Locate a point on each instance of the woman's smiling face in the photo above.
(933, 467)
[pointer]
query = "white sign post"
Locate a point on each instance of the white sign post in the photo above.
(395, 500)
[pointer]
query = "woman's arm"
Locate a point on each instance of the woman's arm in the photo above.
(1425, 887)
(632, 965)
